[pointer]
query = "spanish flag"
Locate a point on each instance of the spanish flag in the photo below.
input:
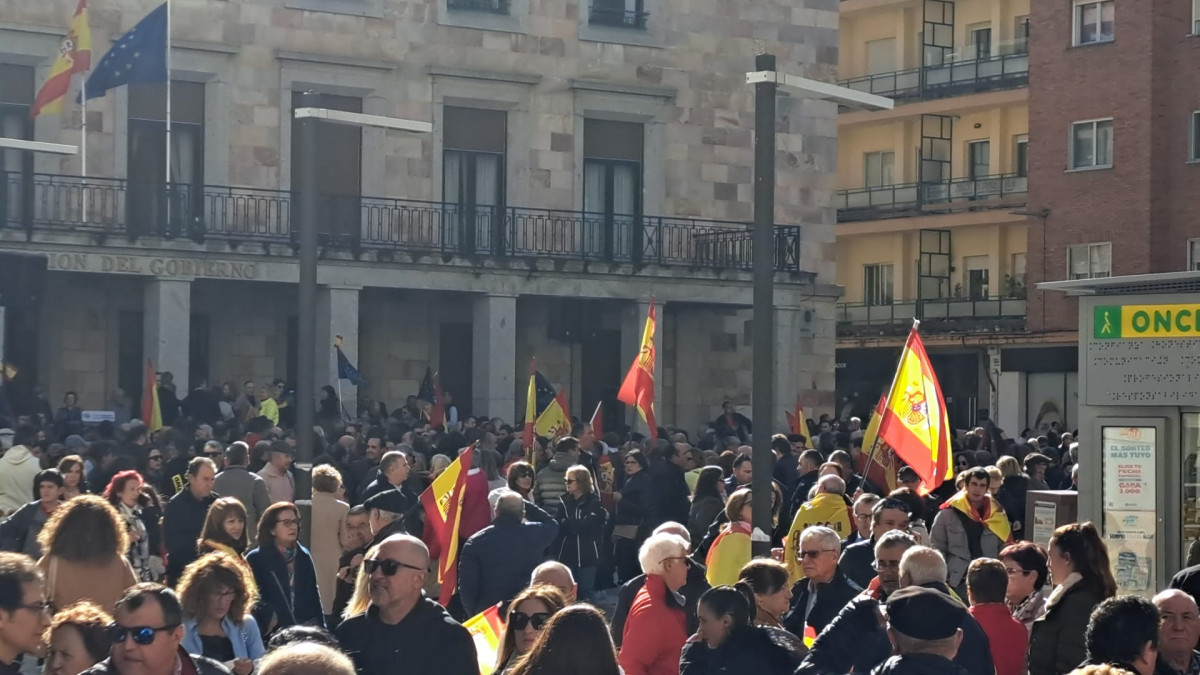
(797, 421)
(151, 410)
(880, 466)
(545, 407)
(729, 553)
(914, 421)
(638, 388)
(74, 56)
(486, 628)
(443, 501)
(992, 518)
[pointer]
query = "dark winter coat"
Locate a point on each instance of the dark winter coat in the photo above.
(921, 664)
(831, 598)
(857, 560)
(1056, 643)
(580, 529)
(670, 497)
(19, 531)
(1011, 496)
(183, 518)
(428, 640)
(301, 606)
(748, 649)
(204, 666)
(496, 562)
(635, 498)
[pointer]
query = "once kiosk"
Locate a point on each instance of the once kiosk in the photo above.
(1139, 420)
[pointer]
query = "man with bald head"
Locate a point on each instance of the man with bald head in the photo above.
(1178, 631)
(403, 632)
(828, 508)
(558, 575)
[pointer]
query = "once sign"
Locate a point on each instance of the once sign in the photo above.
(1113, 322)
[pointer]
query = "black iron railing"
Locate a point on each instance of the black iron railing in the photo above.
(964, 314)
(907, 199)
(1008, 71)
(493, 6)
(617, 16)
(55, 203)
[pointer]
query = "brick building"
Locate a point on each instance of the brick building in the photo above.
(584, 157)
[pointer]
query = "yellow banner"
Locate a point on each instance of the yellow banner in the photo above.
(1114, 322)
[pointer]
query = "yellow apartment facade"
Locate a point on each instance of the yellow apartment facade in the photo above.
(932, 210)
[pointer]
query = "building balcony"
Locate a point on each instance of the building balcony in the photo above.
(958, 78)
(490, 6)
(913, 199)
(108, 209)
(939, 315)
(615, 16)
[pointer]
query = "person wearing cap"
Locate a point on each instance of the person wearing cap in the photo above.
(388, 514)
(923, 627)
(18, 467)
(280, 484)
(1036, 465)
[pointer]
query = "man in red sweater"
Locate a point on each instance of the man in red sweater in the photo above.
(987, 583)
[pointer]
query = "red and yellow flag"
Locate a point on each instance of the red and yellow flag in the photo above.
(914, 421)
(797, 421)
(443, 501)
(993, 517)
(880, 467)
(638, 388)
(151, 410)
(437, 411)
(729, 553)
(486, 628)
(74, 56)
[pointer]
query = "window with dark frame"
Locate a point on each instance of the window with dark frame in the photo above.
(474, 145)
(613, 154)
(1021, 36)
(1021, 155)
(490, 6)
(1194, 136)
(980, 159)
(1092, 144)
(339, 169)
(149, 186)
(618, 13)
(16, 99)
(877, 284)
(1094, 21)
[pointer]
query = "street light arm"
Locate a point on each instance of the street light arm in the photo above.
(363, 120)
(851, 98)
(38, 146)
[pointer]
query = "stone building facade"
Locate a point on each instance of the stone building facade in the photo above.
(583, 159)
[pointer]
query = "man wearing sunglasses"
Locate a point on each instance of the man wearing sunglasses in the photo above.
(403, 632)
(858, 559)
(146, 634)
(23, 615)
(825, 589)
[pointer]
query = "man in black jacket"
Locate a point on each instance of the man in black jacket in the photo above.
(858, 560)
(496, 562)
(669, 498)
(183, 518)
(403, 632)
(825, 589)
(923, 626)
(810, 470)
(856, 638)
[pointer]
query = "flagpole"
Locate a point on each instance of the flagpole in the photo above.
(887, 403)
(83, 145)
(167, 175)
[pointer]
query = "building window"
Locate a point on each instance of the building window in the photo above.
(1092, 144)
(493, 6)
(620, 13)
(158, 203)
(877, 284)
(1089, 261)
(1021, 35)
(16, 98)
(881, 56)
(612, 188)
(1195, 17)
(1015, 283)
(473, 180)
(1021, 155)
(979, 154)
(1193, 254)
(1093, 21)
(1194, 135)
(981, 41)
(339, 169)
(877, 168)
(978, 287)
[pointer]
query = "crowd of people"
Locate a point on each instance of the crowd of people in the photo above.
(187, 550)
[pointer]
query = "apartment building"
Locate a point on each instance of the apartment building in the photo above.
(585, 157)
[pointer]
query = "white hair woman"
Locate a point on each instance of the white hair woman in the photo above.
(656, 628)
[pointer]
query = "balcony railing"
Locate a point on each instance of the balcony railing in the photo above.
(493, 6)
(617, 16)
(52, 203)
(1008, 71)
(909, 199)
(937, 314)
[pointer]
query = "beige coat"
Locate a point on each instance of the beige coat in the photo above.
(102, 583)
(328, 533)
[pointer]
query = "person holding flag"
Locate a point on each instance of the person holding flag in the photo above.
(968, 526)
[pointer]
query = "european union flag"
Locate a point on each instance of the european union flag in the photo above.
(139, 56)
(346, 370)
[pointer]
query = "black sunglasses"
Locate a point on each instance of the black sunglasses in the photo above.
(388, 566)
(143, 635)
(518, 620)
(153, 458)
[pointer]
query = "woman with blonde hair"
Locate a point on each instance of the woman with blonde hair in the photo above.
(527, 615)
(329, 512)
(581, 520)
(217, 592)
(77, 639)
(84, 545)
(360, 600)
(730, 551)
(224, 529)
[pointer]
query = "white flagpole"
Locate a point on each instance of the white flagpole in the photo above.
(83, 145)
(167, 175)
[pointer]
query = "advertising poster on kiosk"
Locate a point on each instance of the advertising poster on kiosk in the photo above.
(1130, 516)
